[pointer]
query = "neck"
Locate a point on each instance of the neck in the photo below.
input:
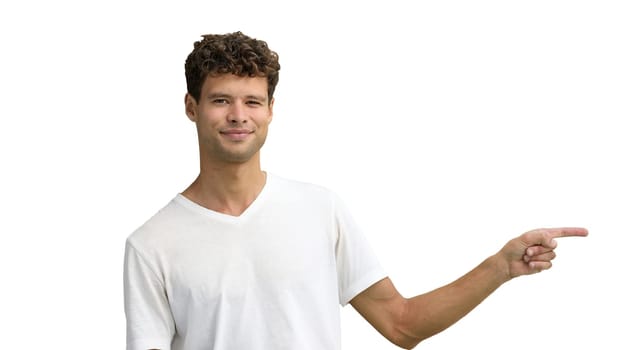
(228, 189)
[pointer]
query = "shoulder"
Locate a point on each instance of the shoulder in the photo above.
(309, 191)
(157, 230)
(280, 181)
(312, 195)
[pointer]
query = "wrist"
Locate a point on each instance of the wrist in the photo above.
(499, 267)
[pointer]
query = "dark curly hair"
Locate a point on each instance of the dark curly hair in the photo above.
(234, 53)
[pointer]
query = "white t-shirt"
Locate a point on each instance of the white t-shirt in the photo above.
(271, 278)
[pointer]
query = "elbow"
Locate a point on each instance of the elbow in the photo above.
(405, 341)
(402, 337)
(403, 334)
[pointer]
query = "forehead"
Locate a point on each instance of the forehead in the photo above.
(230, 84)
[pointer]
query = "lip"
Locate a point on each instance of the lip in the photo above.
(236, 134)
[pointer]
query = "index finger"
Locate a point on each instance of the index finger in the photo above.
(568, 232)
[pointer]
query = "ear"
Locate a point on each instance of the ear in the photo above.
(191, 107)
(270, 110)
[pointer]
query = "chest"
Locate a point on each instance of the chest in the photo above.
(258, 261)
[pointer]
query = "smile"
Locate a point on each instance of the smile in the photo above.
(236, 134)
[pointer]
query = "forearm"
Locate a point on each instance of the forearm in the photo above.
(406, 322)
(431, 313)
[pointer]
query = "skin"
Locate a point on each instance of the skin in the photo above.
(232, 119)
(408, 321)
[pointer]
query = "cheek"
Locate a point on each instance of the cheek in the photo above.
(206, 128)
(208, 120)
(264, 119)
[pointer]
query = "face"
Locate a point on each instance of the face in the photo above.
(232, 117)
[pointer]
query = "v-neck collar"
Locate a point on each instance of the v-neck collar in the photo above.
(255, 204)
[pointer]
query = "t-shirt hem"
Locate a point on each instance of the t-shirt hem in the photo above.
(361, 284)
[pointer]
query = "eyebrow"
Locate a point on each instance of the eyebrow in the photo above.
(223, 95)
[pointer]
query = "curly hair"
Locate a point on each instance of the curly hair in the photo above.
(234, 53)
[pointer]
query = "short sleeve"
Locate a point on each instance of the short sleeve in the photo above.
(149, 321)
(357, 265)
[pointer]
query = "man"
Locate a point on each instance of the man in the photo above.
(244, 259)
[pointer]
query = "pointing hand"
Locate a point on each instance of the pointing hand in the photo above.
(533, 251)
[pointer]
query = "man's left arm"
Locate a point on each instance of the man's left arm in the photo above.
(408, 321)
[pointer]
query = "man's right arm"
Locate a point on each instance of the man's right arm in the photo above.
(150, 323)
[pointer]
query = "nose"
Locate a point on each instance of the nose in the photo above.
(237, 113)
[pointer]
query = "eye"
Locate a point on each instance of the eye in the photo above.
(219, 101)
(254, 103)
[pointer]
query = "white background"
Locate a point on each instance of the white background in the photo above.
(449, 127)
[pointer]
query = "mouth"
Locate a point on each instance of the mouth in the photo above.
(236, 134)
